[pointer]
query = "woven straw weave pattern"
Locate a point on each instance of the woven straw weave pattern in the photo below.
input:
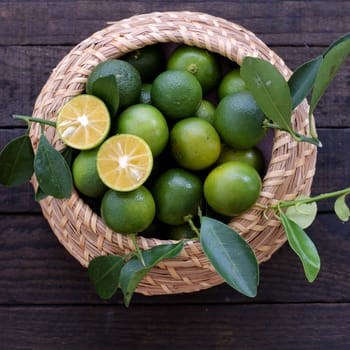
(290, 172)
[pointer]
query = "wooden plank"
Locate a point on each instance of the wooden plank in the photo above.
(24, 71)
(297, 327)
(333, 171)
(36, 269)
(277, 22)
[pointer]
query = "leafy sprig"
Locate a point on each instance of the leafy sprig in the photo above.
(277, 97)
(50, 167)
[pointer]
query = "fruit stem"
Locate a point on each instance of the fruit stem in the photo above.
(192, 225)
(34, 119)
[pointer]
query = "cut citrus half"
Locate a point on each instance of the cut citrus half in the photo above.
(124, 162)
(83, 122)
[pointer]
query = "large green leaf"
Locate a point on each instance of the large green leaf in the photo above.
(134, 270)
(231, 256)
(303, 79)
(104, 272)
(332, 61)
(16, 161)
(52, 171)
(303, 246)
(106, 88)
(269, 89)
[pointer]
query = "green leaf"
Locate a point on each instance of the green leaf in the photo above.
(104, 272)
(16, 160)
(134, 271)
(52, 171)
(303, 246)
(336, 42)
(269, 89)
(302, 214)
(332, 61)
(341, 208)
(303, 79)
(231, 256)
(106, 88)
(40, 194)
(67, 154)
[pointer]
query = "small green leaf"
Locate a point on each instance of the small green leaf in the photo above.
(134, 271)
(303, 246)
(231, 256)
(269, 89)
(302, 80)
(104, 272)
(332, 61)
(341, 208)
(16, 160)
(40, 194)
(52, 171)
(106, 88)
(302, 214)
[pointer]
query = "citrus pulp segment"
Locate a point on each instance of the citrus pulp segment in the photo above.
(83, 122)
(124, 162)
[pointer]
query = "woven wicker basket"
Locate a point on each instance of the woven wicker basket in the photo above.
(290, 172)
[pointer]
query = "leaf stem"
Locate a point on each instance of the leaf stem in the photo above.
(34, 119)
(296, 136)
(137, 248)
(267, 124)
(285, 204)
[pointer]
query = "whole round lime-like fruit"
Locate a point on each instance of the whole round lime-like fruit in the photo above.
(251, 156)
(177, 232)
(176, 93)
(147, 122)
(232, 187)
(239, 120)
(194, 143)
(231, 83)
(85, 175)
(128, 212)
(177, 193)
(148, 60)
(127, 76)
(206, 111)
(202, 63)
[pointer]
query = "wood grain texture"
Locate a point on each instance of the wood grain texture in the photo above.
(68, 22)
(36, 269)
(46, 299)
(293, 327)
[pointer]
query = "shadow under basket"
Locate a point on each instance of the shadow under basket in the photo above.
(289, 174)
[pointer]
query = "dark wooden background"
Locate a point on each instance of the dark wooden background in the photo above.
(46, 299)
